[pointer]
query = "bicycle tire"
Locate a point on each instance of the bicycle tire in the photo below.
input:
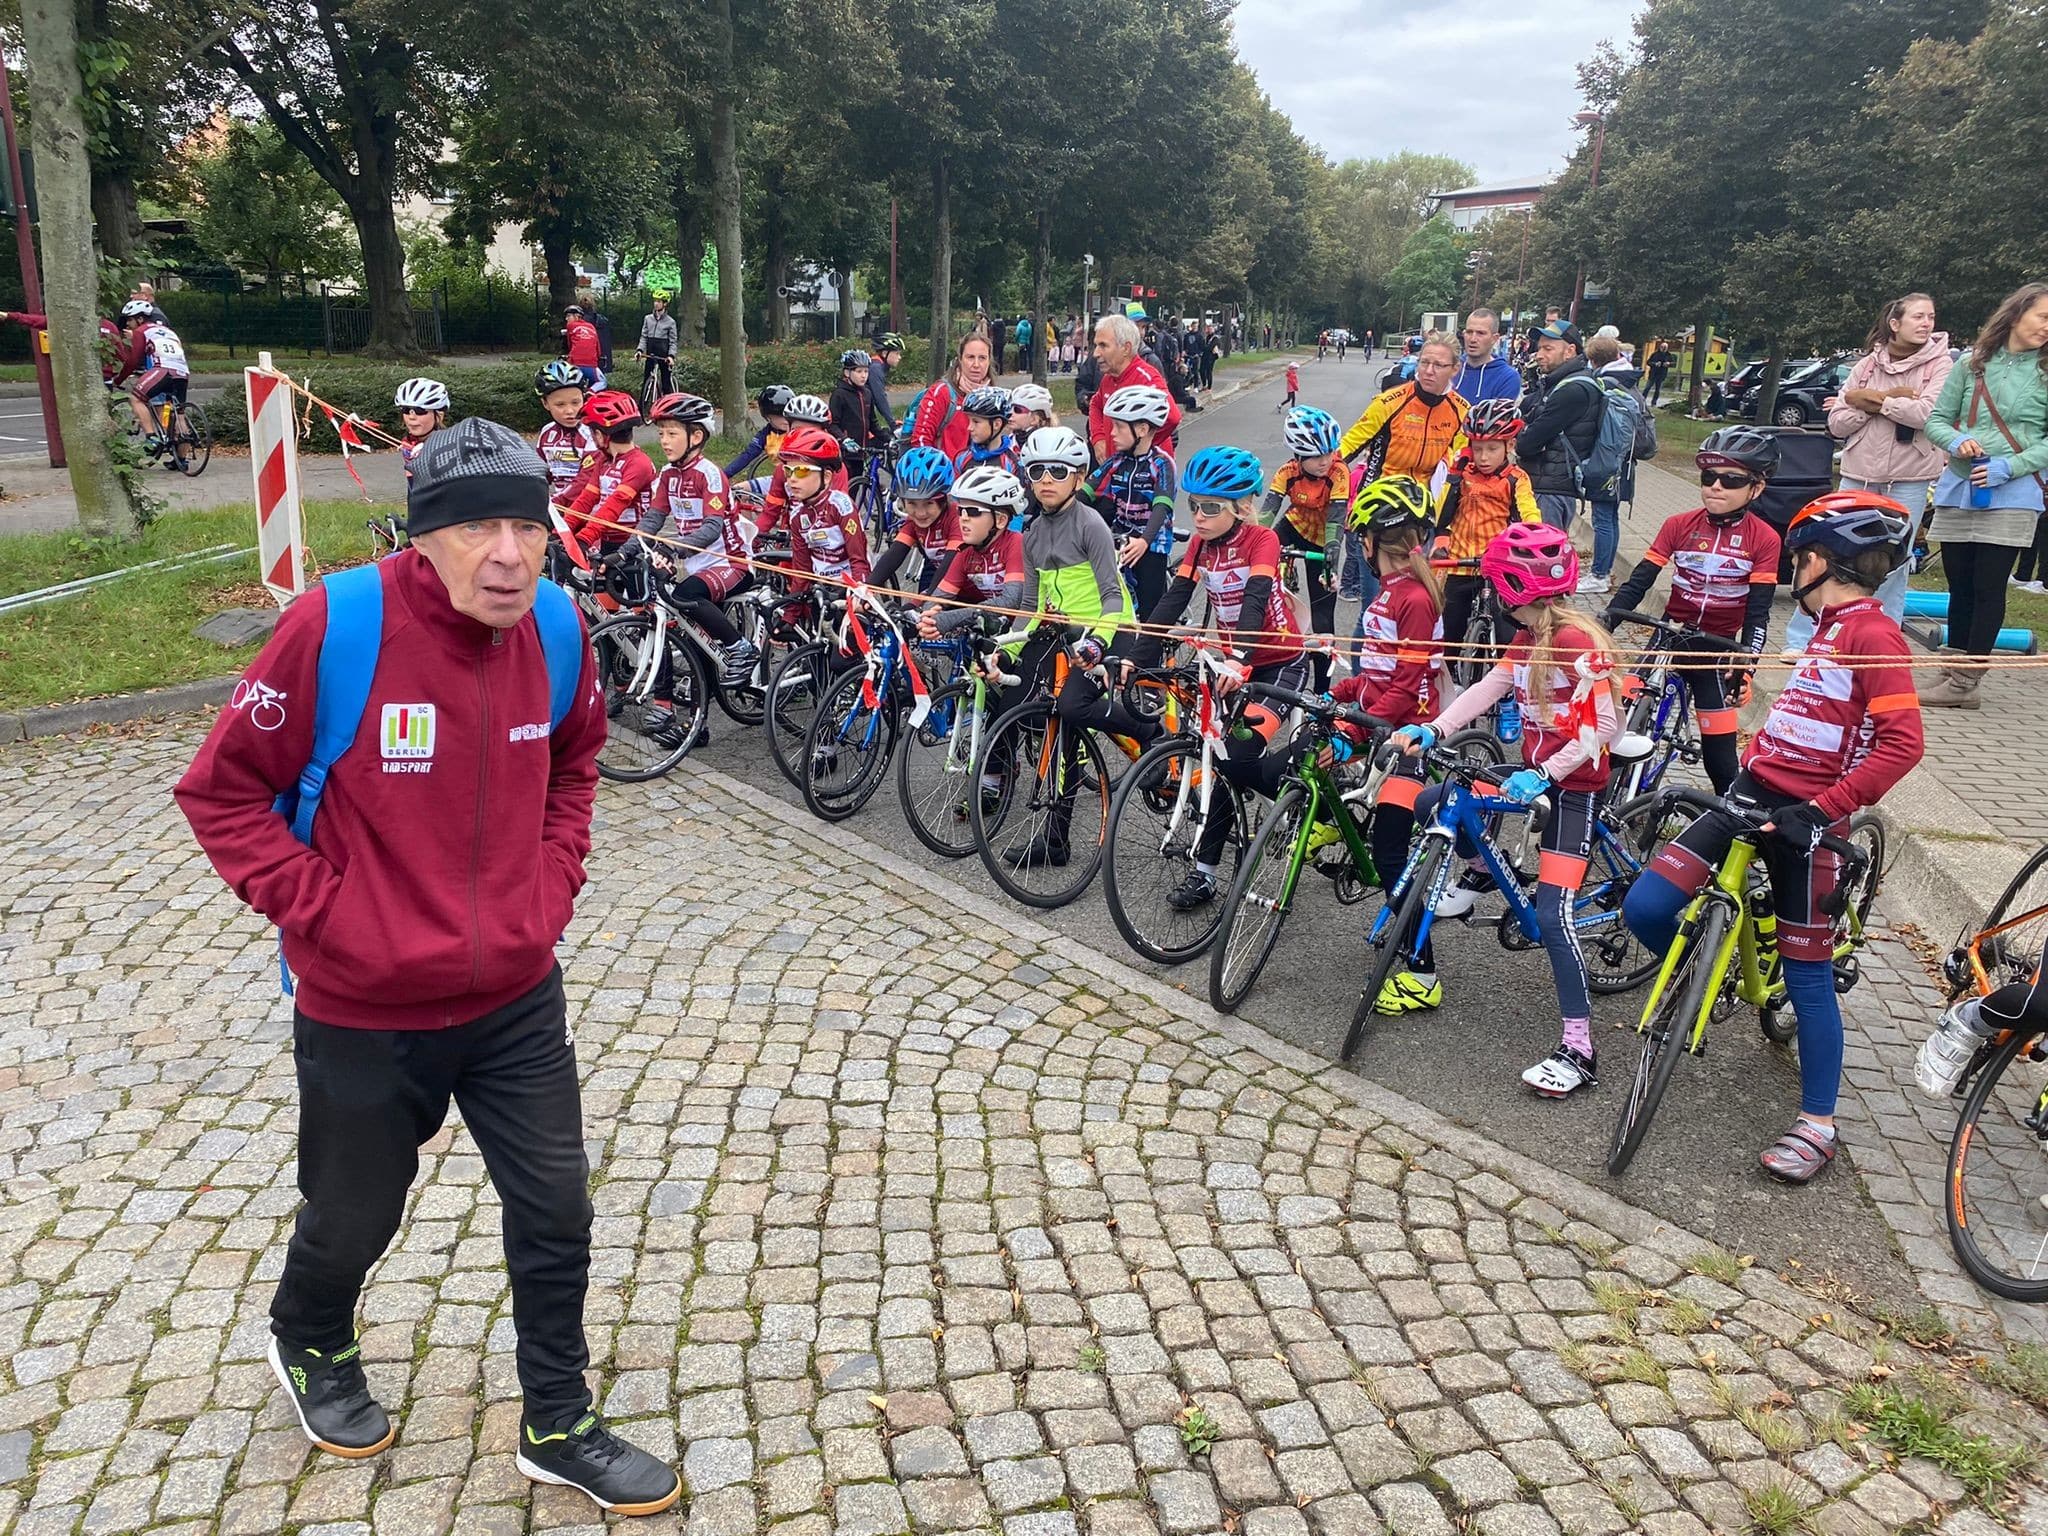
(1392, 948)
(191, 440)
(1963, 1233)
(1018, 740)
(1664, 1041)
(1159, 853)
(794, 693)
(873, 729)
(939, 748)
(1616, 961)
(629, 755)
(1477, 744)
(1867, 830)
(1234, 968)
(2018, 952)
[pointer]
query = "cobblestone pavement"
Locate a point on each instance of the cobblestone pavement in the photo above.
(909, 1218)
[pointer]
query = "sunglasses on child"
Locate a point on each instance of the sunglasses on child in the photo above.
(1727, 479)
(1049, 472)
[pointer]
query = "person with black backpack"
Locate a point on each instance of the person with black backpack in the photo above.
(1562, 412)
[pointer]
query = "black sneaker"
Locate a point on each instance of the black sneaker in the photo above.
(739, 659)
(1039, 853)
(1195, 890)
(622, 1478)
(663, 729)
(332, 1399)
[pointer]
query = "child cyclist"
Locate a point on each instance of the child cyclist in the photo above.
(609, 496)
(773, 404)
(800, 411)
(1842, 733)
(1030, 409)
(988, 431)
(690, 506)
(566, 442)
(825, 534)
(852, 405)
(1724, 572)
(988, 567)
(1487, 491)
(1134, 489)
(930, 526)
(1237, 562)
(422, 411)
(1314, 487)
(1560, 667)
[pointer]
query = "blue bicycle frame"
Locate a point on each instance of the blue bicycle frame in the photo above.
(1672, 706)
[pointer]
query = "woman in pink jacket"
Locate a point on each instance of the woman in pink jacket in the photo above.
(1881, 418)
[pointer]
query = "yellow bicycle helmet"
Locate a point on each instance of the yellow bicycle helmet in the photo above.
(1390, 503)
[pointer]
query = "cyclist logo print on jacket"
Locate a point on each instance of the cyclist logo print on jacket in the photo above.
(826, 539)
(1715, 568)
(1224, 566)
(611, 490)
(1566, 716)
(683, 498)
(565, 450)
(1396, 667)
(1843, 732)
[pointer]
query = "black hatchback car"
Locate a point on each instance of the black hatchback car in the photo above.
(1801, 389)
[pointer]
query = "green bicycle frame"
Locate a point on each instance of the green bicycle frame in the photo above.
(1321, 792)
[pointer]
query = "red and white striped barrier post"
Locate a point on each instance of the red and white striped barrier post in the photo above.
(274, 458)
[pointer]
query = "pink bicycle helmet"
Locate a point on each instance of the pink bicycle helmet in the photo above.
(1527, 562)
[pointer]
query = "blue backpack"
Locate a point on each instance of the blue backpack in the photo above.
(1599, 473)
(348, 662)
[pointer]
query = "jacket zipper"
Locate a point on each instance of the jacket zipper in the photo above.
(476, 849)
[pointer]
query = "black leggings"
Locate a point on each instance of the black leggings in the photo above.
(1262, 773)
(1715, 711)
(2033, 562)
(1976, 588)
(1393, 829)
(1322, 601)
(698, 601)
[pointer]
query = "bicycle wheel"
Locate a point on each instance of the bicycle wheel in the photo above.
(1395, 947)
(1041, 842)
(935, 772)
(1997, 1185)
(1257, 903)
(650, 391)
(1675, 1011)
(2015, 954)
(191, 440)
(793, 696)
(846, 751)
(1155, 824)
(643, 739)
(1867, 833)
(1616, 960)
(1477, 745)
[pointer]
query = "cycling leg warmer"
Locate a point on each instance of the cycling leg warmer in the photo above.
(1392, 828)
(1810, 984)
(1723, 760)
(1561, 943)
(1651, 910)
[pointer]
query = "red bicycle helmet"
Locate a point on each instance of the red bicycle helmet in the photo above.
(1492, 421)
(1527, 562)
(1845, 524)
(809, 445)
(611, 408)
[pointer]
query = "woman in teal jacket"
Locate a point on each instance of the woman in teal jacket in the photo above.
(1992, 420)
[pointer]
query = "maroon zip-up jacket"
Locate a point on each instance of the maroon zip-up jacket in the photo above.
(449, 846)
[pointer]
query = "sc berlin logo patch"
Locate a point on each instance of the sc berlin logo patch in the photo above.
(405, 738)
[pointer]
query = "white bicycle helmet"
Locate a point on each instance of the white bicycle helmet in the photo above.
(421, 395)
(808, 408)
(1138, 402)
(1031, 397)
(1051, 445)
(987, 485)
(135, 309)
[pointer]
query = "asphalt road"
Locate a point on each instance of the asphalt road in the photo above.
(1699, 1166)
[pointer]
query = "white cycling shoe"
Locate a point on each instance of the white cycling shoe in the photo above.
(1562, 1073)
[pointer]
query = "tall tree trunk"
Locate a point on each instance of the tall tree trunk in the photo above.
(1696, 391)
(561, 266)
(725, 216)
(1041, 291)
(114, 212)
(690, 225)
(49, 31)
(845, 277)
(942, 265)
(391, 332)
(1767, 386)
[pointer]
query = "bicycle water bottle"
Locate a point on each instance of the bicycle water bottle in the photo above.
(1947, 1053)
(1765, 918)
(1509, 728)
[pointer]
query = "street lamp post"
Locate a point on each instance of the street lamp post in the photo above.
(1598, 120)
(1087, 279)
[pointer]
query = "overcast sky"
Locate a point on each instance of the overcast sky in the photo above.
(1492, 82)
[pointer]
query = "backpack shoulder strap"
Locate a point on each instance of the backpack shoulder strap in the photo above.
(348, 662)
(561, 643)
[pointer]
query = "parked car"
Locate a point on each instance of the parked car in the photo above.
(1723, 395)
(1800, 393)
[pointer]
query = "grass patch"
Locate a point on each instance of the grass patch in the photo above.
(1621, 1303)
(1913, 1425)
(1925, 1328)
(1684, 1315)
(1092, 1358)
(1781, 1436)
(1773, 1510)
(2022, 1371)
(1717, 1265)
(1639, 1365)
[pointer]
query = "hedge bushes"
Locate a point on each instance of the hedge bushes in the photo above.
(504, 391)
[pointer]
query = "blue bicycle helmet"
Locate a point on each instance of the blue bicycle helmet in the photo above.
(990, 400)
(924, 474)
(1231, 473)
(1309, 432)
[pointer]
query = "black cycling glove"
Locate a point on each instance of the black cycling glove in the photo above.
(1801, 824)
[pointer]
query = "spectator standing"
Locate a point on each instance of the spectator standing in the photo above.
(1562, 412)
(939, 422)
(1992, 418)
(1658, 366)
(1212, 345)
(1481, 375)
(1881, 417)
(998, 330)
(1119, 364)
(580, 346)
(1610, 368)
(1025, 334)
(1414, 429)
(421, 914)
(1269, 336)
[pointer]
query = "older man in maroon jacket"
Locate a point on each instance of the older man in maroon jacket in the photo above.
(421, 921)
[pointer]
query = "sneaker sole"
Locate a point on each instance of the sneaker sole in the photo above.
(649, 1507)
(347, 1452)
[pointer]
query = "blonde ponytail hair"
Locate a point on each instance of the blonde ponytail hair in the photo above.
(1553, 614)
(1412, 543)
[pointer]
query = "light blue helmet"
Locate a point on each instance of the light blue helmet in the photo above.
(924, 474)
(1230, 473)
(1310, 431)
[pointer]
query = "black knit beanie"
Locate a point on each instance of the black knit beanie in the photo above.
(473, 470)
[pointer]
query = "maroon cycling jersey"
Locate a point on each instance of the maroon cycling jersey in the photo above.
(937, 539)
(610, 490)
(1714, 566)
(978, 575)
(1844, 730)
(682, 499)
(408, 450)
(564, 450)
(1403, 643)
(826, 539)
(1224, 566)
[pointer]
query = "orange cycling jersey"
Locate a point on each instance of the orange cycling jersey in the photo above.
(1310, 499)
(1401, 433)
(1479, 503)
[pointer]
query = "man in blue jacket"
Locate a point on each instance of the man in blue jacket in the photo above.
(1481, 375)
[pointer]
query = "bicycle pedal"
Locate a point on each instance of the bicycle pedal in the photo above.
(1847, 974)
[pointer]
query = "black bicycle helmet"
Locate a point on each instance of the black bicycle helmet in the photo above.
(854, 357)
(774, 400)
(1744, 448)
(989, 401)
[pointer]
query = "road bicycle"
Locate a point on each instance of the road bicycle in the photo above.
(388, 537)
(1726, 952)
(1660, 698)
(657, 378)
(1996, 1192)
(871, 498)
(937, 759)
(184, 439)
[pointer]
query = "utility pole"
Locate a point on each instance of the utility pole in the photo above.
(31, 280)
(895, 281)
(1599, 122)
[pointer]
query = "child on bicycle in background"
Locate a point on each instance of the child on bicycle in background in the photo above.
(1395, 682)
(773, 404)
(1560, 668)
(609, 496)
(1724, 572)
(930, 525)
(1030, 409)
(987, 410)
(566, 442)
(155, 356)
(852, 405)
(1315, 489)
(1134, 489)
(690, 505)
(988, 567)
(1487, 491)
(423, 411)
(1841, 734)
(1236, 561)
